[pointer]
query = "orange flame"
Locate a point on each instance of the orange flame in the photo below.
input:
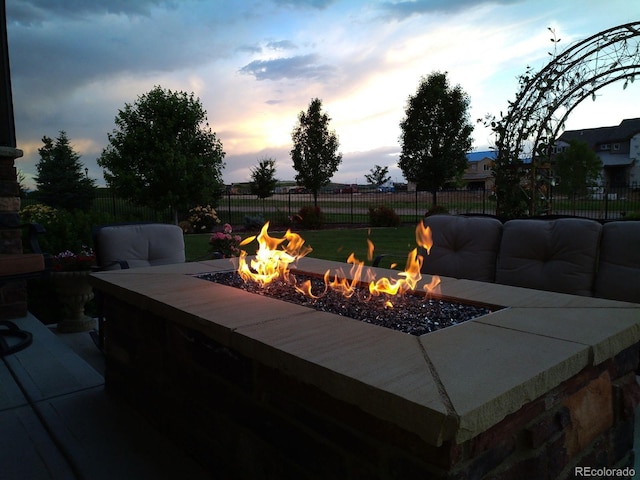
(271, 262)
(275, 255)
(423, 237)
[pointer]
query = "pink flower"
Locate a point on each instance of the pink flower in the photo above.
(225, 243)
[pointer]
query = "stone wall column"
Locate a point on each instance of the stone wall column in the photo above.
(13, 295)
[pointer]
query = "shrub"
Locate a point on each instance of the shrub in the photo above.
(382, 216)
(280, 219)
(64, 229)
(253, 223)
(310, 218)
(203, 219)
(186, 227)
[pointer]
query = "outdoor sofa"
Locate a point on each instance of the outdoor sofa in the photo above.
(578, 256)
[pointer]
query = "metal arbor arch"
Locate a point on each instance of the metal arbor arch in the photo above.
(546, 99)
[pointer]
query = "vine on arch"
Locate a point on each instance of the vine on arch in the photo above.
(544, 101)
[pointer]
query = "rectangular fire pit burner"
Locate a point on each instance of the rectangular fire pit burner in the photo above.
(416, 313)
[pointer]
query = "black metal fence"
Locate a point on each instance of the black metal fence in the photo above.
(353, 208)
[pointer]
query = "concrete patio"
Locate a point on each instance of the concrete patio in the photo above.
(57, 421)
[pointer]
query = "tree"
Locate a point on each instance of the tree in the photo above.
(61, 180)
(577, 167)
(379, 176)
(263, 179)
(436, 134)
(314, 152)
(163, 153)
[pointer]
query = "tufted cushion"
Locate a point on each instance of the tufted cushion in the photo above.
(140, 245)
(619, 266)
(557, 255)
(463, 247)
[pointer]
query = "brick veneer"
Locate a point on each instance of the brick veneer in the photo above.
(243, 419)
(13, 295)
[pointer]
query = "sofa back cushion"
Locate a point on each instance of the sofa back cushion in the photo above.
(140, 245)
(463, 247)
(558, 255)
(618, 276)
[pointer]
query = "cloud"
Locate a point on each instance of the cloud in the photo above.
(56, 58)
(282, 45)
(352, 169)
(318, 4)
(250, 48)
(302, 66)
(407, 8)
(29, 12)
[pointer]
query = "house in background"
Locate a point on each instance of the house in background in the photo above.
(479, 172)
(618, 147)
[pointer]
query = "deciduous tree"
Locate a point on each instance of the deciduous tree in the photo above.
(436, 134)
(315, 149)
(163, 153)
(378, 176)
(577, 168)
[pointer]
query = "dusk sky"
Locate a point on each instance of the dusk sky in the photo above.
(255, 64)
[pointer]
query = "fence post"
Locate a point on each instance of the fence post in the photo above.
(229, 206)
(484, 200)
(352, 206)
(416, 206)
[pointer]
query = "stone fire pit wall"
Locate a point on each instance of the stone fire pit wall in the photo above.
(257, 388)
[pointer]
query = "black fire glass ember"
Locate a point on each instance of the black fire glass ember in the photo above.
(7, 126)
(414, 313)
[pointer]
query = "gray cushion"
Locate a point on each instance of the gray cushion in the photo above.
(557, 255)
(463, 247)
(141, 245)
(618, 275)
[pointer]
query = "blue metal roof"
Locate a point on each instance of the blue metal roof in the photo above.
(477, 156)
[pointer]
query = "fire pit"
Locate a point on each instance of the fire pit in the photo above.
(387, 302)
(416, 313)
(256, 387)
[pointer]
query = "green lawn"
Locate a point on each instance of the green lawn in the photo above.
(331, 244)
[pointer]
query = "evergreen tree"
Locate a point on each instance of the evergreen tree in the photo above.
(263, 180)
(61, 181)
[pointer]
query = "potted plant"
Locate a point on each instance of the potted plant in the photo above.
(70, 275)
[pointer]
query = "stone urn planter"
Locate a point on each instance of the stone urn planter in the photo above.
(74, 291)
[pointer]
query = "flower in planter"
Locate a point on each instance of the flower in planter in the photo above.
(203, 219)
(69, 261)
(225, 243)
